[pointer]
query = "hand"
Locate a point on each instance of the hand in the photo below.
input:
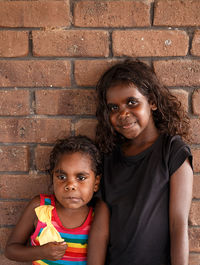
(54, 250)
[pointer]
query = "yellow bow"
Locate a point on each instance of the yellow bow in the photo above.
(49, 233)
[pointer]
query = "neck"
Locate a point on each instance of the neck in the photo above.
(72, 218)
(139, 144)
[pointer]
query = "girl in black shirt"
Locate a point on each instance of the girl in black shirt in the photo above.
(147, 180)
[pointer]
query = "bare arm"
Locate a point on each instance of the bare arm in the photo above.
(17, 248)
(180, 201)
(99, 235)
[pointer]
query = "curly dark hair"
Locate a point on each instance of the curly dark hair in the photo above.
(169, 117)
(74, 144)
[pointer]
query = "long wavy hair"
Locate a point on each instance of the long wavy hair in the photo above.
(169, 117)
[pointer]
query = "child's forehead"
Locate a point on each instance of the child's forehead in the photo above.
(76, 158)
(122, 90)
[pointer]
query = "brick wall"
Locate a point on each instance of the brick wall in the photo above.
(51, 55)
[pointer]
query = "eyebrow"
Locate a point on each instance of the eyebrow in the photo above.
(59, 171)
(63, 172)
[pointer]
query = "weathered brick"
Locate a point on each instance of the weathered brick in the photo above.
(150, 43)
(195, 102)
(194, 259)
(66, 102)
(194, 218)
(87, 72)
(195, 136)
(38, 130)
(23, 186)
(13, 43)
(196, 159)
(194, 236)
(4, 234)
(34, 73)
(177, 13)
(42, 157)
(14, 102)
(111, 14)
(196, 44)
(11, 211)
(178, 72)
(86, 127)
(34, 13)
(5, 261)
(14, 158)
(74, 43)
(182, 96)
(196, 187)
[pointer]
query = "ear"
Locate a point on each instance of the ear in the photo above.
(97, 182)
(153, 106)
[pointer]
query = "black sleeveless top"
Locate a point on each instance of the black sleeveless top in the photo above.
(136, 190)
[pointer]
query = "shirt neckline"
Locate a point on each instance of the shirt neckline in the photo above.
(141, 154)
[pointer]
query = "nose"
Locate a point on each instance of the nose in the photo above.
(123, 113)
(70, 186)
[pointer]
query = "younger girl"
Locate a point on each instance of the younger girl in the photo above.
(147, 178)
(58, 224)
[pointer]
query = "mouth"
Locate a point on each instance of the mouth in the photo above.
(127, 126)
(73, 199)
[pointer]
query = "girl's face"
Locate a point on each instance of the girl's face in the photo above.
(74, 181)
(130, 112)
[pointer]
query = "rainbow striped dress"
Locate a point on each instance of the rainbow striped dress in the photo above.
(76, 238)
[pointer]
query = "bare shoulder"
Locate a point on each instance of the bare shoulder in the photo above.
(35, 202)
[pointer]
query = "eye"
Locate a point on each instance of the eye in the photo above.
(132, 102)
(113, 107)
(61, 177)
(81, 177)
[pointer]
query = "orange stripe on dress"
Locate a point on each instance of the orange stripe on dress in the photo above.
(76, 250)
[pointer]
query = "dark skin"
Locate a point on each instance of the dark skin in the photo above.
(74, 183)
(17, 249)
(99, 235)
(131, 116)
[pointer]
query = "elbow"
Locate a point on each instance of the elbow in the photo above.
(7, 253)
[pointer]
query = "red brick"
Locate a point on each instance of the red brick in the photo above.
(11, 211)
(196, 44)
(195, 102)
(82, 43)
(86, 127)
(150, 43)
(34, 73)
(195, 136)
(13, 43)
(23, 186)
(14, 158)
(178, 72)
(194, 259)
(196, 159)
(5, 261)
(14, 102)
(4, 234)
(66, 102)
(111, 14)
(87, 72)
(196, 187)
(182, 96)
(194, 235)
(42, 157)
(38, 130)
(194, 218)
(177, 13)
(34, 13)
